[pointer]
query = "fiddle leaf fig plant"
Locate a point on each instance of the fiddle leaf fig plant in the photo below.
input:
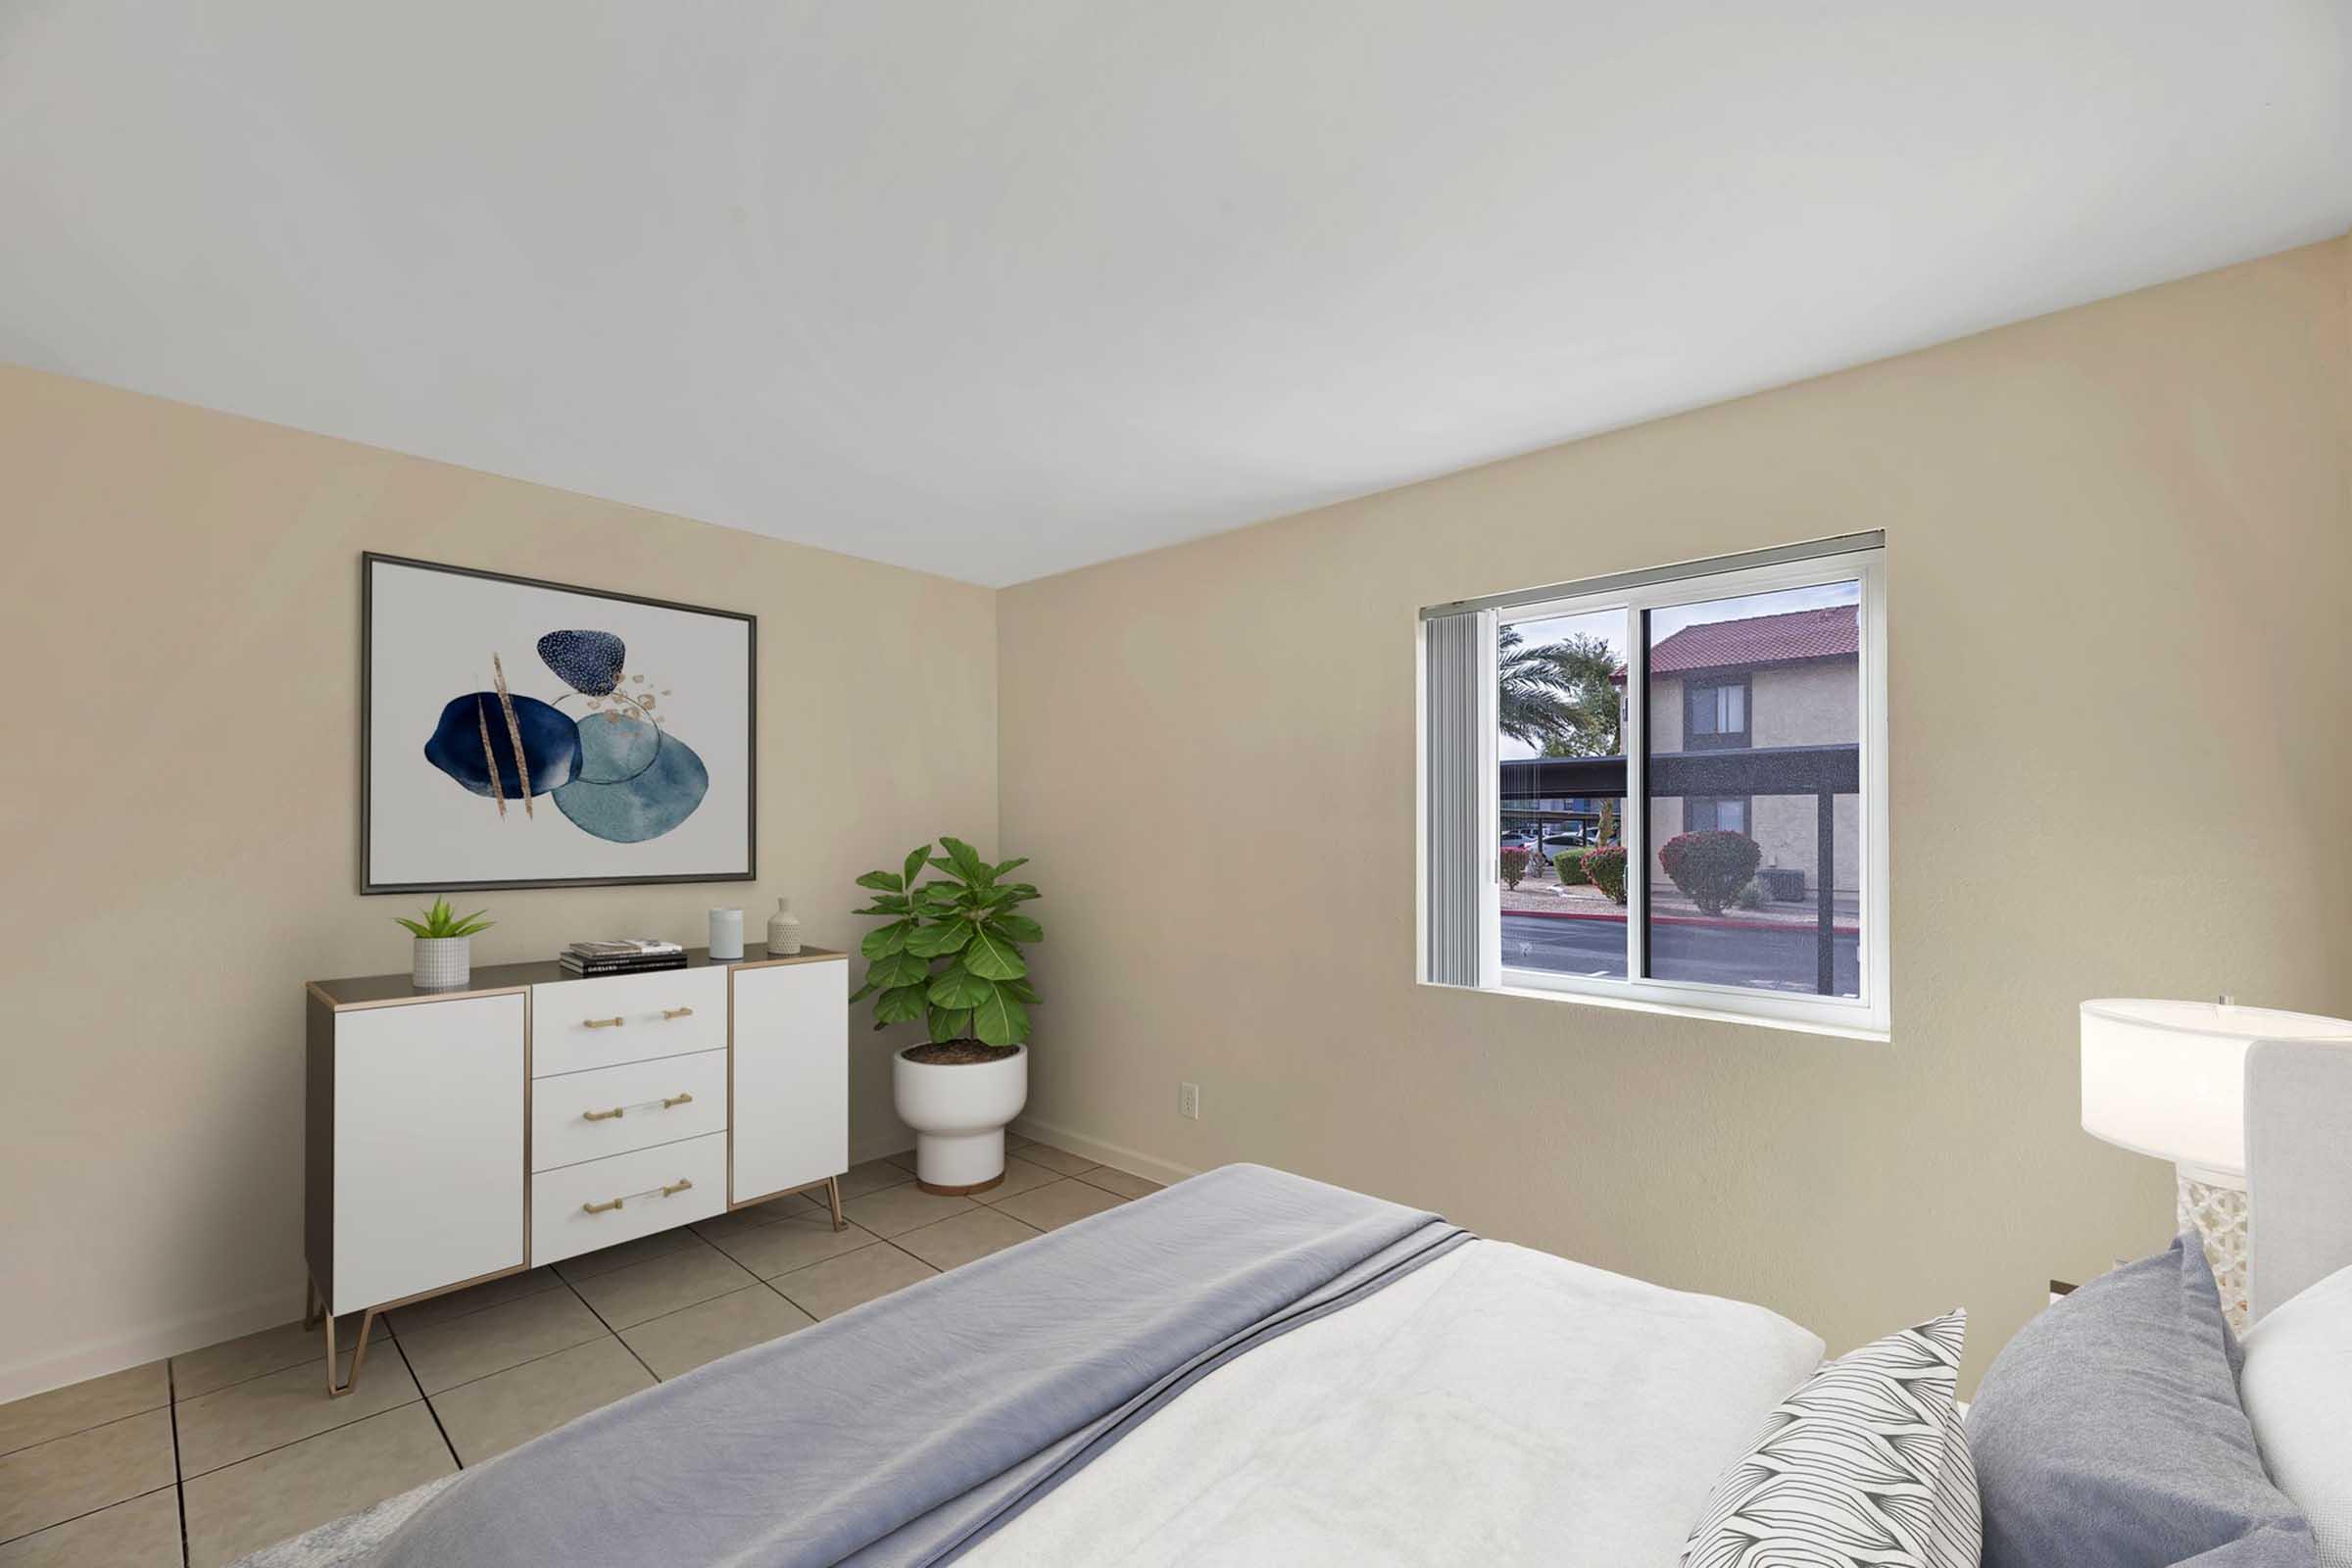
(950, 949)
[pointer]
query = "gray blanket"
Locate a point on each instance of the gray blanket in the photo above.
(906, 1430)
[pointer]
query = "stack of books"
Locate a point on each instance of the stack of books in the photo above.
(628, 955)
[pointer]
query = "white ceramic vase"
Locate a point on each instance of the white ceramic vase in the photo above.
(959, 1114)
(440, 964)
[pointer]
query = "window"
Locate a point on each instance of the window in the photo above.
(1715, 714)
(1714, 813)
(1688, 766)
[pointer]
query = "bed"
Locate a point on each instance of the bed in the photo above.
(1246, 1367)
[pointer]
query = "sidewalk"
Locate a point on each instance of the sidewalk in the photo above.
(1667, 903)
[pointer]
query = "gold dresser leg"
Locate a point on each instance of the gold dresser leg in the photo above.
(358, 1354)
(833, 1192)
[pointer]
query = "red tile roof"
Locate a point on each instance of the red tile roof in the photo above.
(1828, 633)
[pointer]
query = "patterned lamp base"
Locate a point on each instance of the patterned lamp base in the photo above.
(2218, 1214)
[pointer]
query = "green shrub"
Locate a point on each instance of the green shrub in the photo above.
(1605, 867)
(1751, 897)
(1711, 867)
(1570, 864)
(1514, 867)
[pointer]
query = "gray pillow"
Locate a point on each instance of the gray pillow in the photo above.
(2109, 1434)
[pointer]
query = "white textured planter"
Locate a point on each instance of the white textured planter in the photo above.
(441, 963)
(959, 1114)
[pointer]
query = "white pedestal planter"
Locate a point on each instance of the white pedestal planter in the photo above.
(959, 1114)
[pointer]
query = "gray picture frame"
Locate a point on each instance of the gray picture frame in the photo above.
(369, 883)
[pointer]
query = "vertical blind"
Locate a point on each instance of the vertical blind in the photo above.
(1450, 730)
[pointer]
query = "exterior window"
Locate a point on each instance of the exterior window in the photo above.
(1715, 714)
(1714, 813)
(1676, 787)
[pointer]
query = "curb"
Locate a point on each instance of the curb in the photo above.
(1706, 921)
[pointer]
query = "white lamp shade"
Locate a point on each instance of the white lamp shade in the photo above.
(2169, 1078)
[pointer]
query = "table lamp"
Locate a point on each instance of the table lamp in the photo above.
(2169, 1079)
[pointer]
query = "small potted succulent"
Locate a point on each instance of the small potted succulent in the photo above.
(949, 953)
(442, 956)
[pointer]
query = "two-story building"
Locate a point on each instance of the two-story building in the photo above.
(1791, 680)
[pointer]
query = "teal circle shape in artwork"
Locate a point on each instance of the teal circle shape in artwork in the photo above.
(636, 781)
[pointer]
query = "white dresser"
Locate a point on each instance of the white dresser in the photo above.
(455, 1136)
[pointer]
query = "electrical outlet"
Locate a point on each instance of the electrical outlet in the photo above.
(1188, 1102)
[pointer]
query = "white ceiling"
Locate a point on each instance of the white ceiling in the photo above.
(997, 289)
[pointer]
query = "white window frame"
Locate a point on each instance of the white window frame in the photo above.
(1868, 1017)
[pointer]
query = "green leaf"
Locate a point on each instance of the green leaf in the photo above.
(412, 925)
(949, 1023)
(1021, 988)
(914, 864)
(883, 882)
(899, 1005)
(936, 941)
(997, 871)
(886, 904)
(957, 987)
(938, 898)
(994, 898)
(1021, 892)
(864, 992)
(884, 940)
(1000, 1021)
(898, 969)
(1017, 927)
(992, 957)
(968, 864)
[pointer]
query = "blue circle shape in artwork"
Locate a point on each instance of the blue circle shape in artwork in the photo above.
(551, 744)
(588, 661)
(643, 799)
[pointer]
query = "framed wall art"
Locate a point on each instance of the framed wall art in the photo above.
(525, 734)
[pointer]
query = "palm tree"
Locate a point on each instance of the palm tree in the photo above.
(1529, 706)
(1559, 698)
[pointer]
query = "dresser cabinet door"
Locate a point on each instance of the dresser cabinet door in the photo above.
(792, 1076)
(428, 1162)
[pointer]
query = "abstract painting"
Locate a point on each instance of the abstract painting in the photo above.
(519, 733)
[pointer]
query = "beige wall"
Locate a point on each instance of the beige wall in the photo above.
(2120, 566)
(181, 639)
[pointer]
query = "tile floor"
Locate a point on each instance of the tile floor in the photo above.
(203, 1457)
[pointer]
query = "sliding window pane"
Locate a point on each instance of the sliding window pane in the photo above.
(1754, 832)
(1559, 706)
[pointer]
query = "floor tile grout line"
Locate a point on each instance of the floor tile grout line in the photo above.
(179, 1491)
(615, 1333)
(92, 1426)
(429, 1407)
(136, 1497)
(340, 1426)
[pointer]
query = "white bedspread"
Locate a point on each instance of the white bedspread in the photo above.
(1497, 1407)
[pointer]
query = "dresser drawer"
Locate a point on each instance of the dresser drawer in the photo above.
(579, 1025)
(564, 1225)
(611, 1111)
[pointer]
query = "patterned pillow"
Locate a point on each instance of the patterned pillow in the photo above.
(1864, 1464)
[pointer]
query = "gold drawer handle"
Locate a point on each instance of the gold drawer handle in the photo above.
(681, 1185)
(677, 1012)
(606, 1115)
(602, 1023)
(682, 1098)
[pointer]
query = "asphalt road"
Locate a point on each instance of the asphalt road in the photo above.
(1771, 960)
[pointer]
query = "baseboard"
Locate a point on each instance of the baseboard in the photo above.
(153, 1343)
(1132, 1160)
